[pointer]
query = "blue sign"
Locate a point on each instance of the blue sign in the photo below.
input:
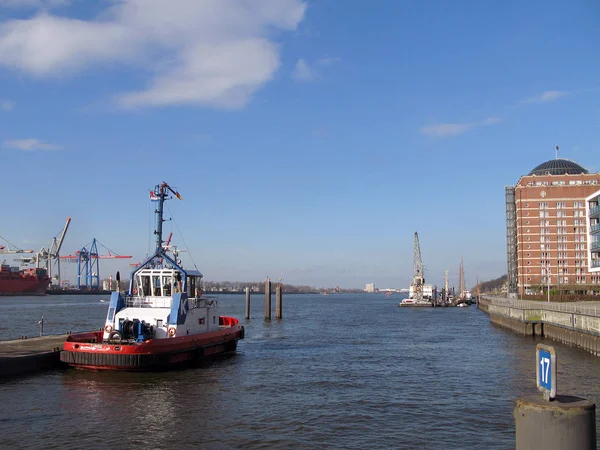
(546, 370)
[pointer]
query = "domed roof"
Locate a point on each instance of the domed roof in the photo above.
(558, 167)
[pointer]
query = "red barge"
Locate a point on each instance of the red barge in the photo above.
(162, 321)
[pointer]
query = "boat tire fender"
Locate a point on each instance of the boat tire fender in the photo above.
(115, 336)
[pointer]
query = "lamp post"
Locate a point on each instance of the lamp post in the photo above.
(548, 279)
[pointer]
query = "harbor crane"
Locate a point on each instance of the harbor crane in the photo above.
(4, 250)
(47, 257)
(50, 256)
(418, 278)
(88, 264)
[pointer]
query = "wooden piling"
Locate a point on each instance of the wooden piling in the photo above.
(268, 299)
(247, 303)
(278, 301)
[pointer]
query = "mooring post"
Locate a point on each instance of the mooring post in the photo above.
(247, 303)
(268, 299)
(553, 422)
(278, 300)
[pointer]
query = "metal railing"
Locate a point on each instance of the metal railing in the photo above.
(587, 308)
(148, 302)
(166, 302)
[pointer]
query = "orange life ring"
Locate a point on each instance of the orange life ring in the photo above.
(172, 331)
(107, 329)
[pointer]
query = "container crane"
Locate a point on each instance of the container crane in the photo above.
(88, 264)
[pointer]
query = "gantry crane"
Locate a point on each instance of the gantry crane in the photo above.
(88, 265)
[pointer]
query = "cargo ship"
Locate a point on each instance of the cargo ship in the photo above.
(16, 281)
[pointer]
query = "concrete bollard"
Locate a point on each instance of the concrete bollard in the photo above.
(564, 423)
(278, 300)
(247, 303)
(268, 299)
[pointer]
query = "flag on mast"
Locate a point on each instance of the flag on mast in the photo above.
(153, 197)
(557, 152)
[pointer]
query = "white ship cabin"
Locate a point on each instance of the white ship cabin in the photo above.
(155, 311)
(427, 291)
(156, 286)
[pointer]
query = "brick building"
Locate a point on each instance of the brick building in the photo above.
(547, 229)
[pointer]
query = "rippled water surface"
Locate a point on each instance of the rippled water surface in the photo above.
(341, 371)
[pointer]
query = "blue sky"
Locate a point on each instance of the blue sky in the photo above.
(309, 140)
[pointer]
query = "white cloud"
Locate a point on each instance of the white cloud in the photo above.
(546, 96)
(303, 72)
(31, 144)
(7, 105)
(211, 52)
(456, 129)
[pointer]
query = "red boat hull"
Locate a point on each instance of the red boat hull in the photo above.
(86, 350)
(15, 281)
(23, 285)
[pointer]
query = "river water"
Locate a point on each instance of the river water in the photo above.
(339, 371)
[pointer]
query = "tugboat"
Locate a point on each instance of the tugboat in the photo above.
(162, 321)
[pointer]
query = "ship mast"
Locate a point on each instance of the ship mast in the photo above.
(462, 277)
(161, 192)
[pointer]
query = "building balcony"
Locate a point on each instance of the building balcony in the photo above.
(594, 211)
(595, 245)
(595, 228)
(595, 263)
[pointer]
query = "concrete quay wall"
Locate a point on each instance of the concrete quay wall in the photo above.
(576, 324)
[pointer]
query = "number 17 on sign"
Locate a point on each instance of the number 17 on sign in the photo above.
(546, 370)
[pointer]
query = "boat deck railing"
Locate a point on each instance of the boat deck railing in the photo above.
(166, 302)
(148, 302)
